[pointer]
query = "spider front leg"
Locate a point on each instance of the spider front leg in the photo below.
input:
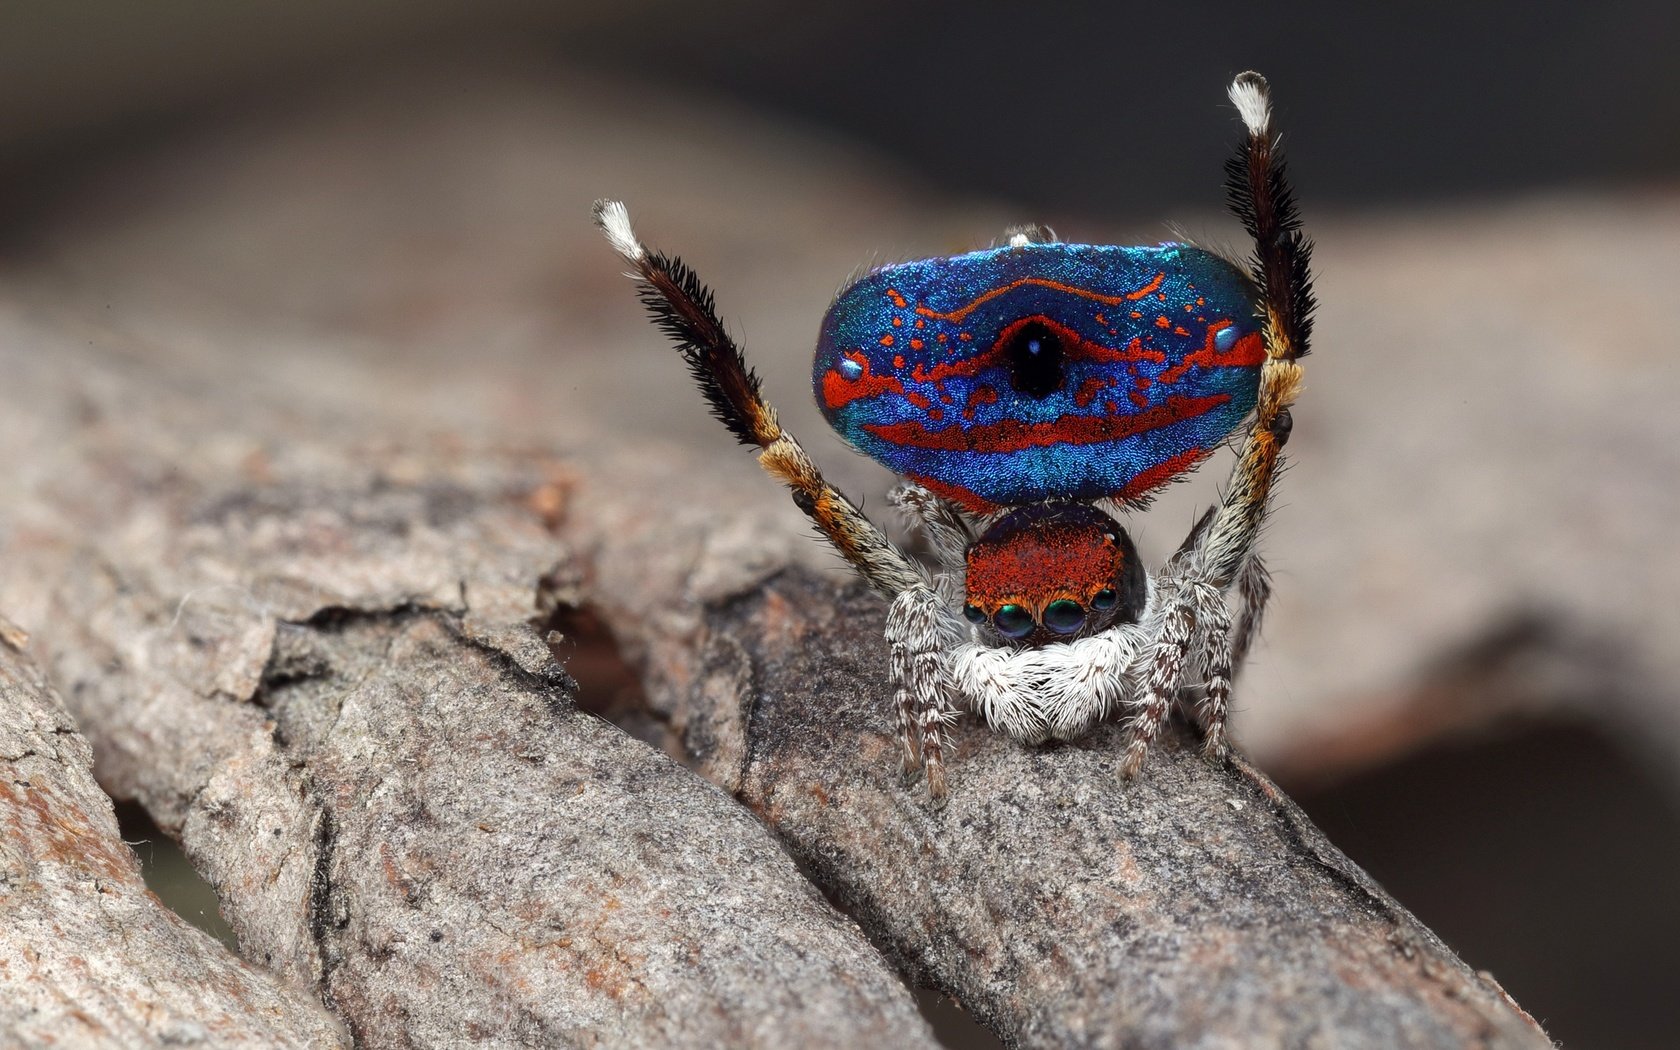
(1213, 617)
(682, 306)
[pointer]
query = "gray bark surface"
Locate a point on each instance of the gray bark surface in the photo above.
(88, 957)
(313, 661)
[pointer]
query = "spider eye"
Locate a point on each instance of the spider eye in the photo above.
(1014, 621)
(1106, 599)
(1064, 616)
(974, 613)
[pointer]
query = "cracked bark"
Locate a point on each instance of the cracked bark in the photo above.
(326, 682)
(88, 957)
(315, 656)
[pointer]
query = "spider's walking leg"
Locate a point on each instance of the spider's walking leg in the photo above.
(1163, 674)
(682, 306)
(948, 533)
(1214, 621)
(1254, 587)
(919, 631)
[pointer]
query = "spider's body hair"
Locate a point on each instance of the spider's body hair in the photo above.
(1057, 691)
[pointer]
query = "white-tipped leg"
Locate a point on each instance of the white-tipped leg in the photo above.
(1163, 673)
(1213, 620)
(1254, 587)
(1253, 99)
(614, 220)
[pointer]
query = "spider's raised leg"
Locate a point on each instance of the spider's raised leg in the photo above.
(1221, 547)
(682, 306)
(1282, 268)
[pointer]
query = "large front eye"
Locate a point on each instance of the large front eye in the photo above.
(1014, 621)
(1064, 616)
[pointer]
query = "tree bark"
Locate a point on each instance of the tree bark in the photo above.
(88, 957)
(312, 660)
(1059, 904)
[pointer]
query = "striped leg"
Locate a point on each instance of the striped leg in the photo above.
(683, 308)
(948, 533)
(1213, 620)
(1163, 674)
(920, 630)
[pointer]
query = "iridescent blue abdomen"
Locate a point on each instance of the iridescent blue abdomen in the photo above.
(1042, 371)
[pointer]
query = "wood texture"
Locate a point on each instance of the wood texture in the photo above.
(88, 957)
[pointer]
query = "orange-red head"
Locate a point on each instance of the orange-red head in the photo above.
(1052, 572)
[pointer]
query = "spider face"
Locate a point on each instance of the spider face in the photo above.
(1053, 572)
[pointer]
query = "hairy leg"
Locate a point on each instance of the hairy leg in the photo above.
(1261, 197)
(920, 630)
(947, 531)
(683, 308)
(1213, 619)
(1254, 588)
(1162, 672)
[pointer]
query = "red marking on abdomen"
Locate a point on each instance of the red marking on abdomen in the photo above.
(838, 391)
(1087, 391)
(956, 316)
(966, 498)
(1012, 435)
(1076, 348)
(1162, 472)
(981, 395)
(1247, 352)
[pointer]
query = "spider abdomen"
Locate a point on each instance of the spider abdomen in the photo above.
(1035, 371)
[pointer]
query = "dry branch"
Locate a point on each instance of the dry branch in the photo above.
(1060, 905)
(312, 661)
(88, 957)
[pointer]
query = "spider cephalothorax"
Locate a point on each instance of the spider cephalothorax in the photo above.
(1014, 389)
(1052, 572)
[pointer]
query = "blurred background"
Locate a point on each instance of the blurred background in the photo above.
(1472, 677)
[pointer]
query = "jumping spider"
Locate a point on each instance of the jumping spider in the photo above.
(1016, 389)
